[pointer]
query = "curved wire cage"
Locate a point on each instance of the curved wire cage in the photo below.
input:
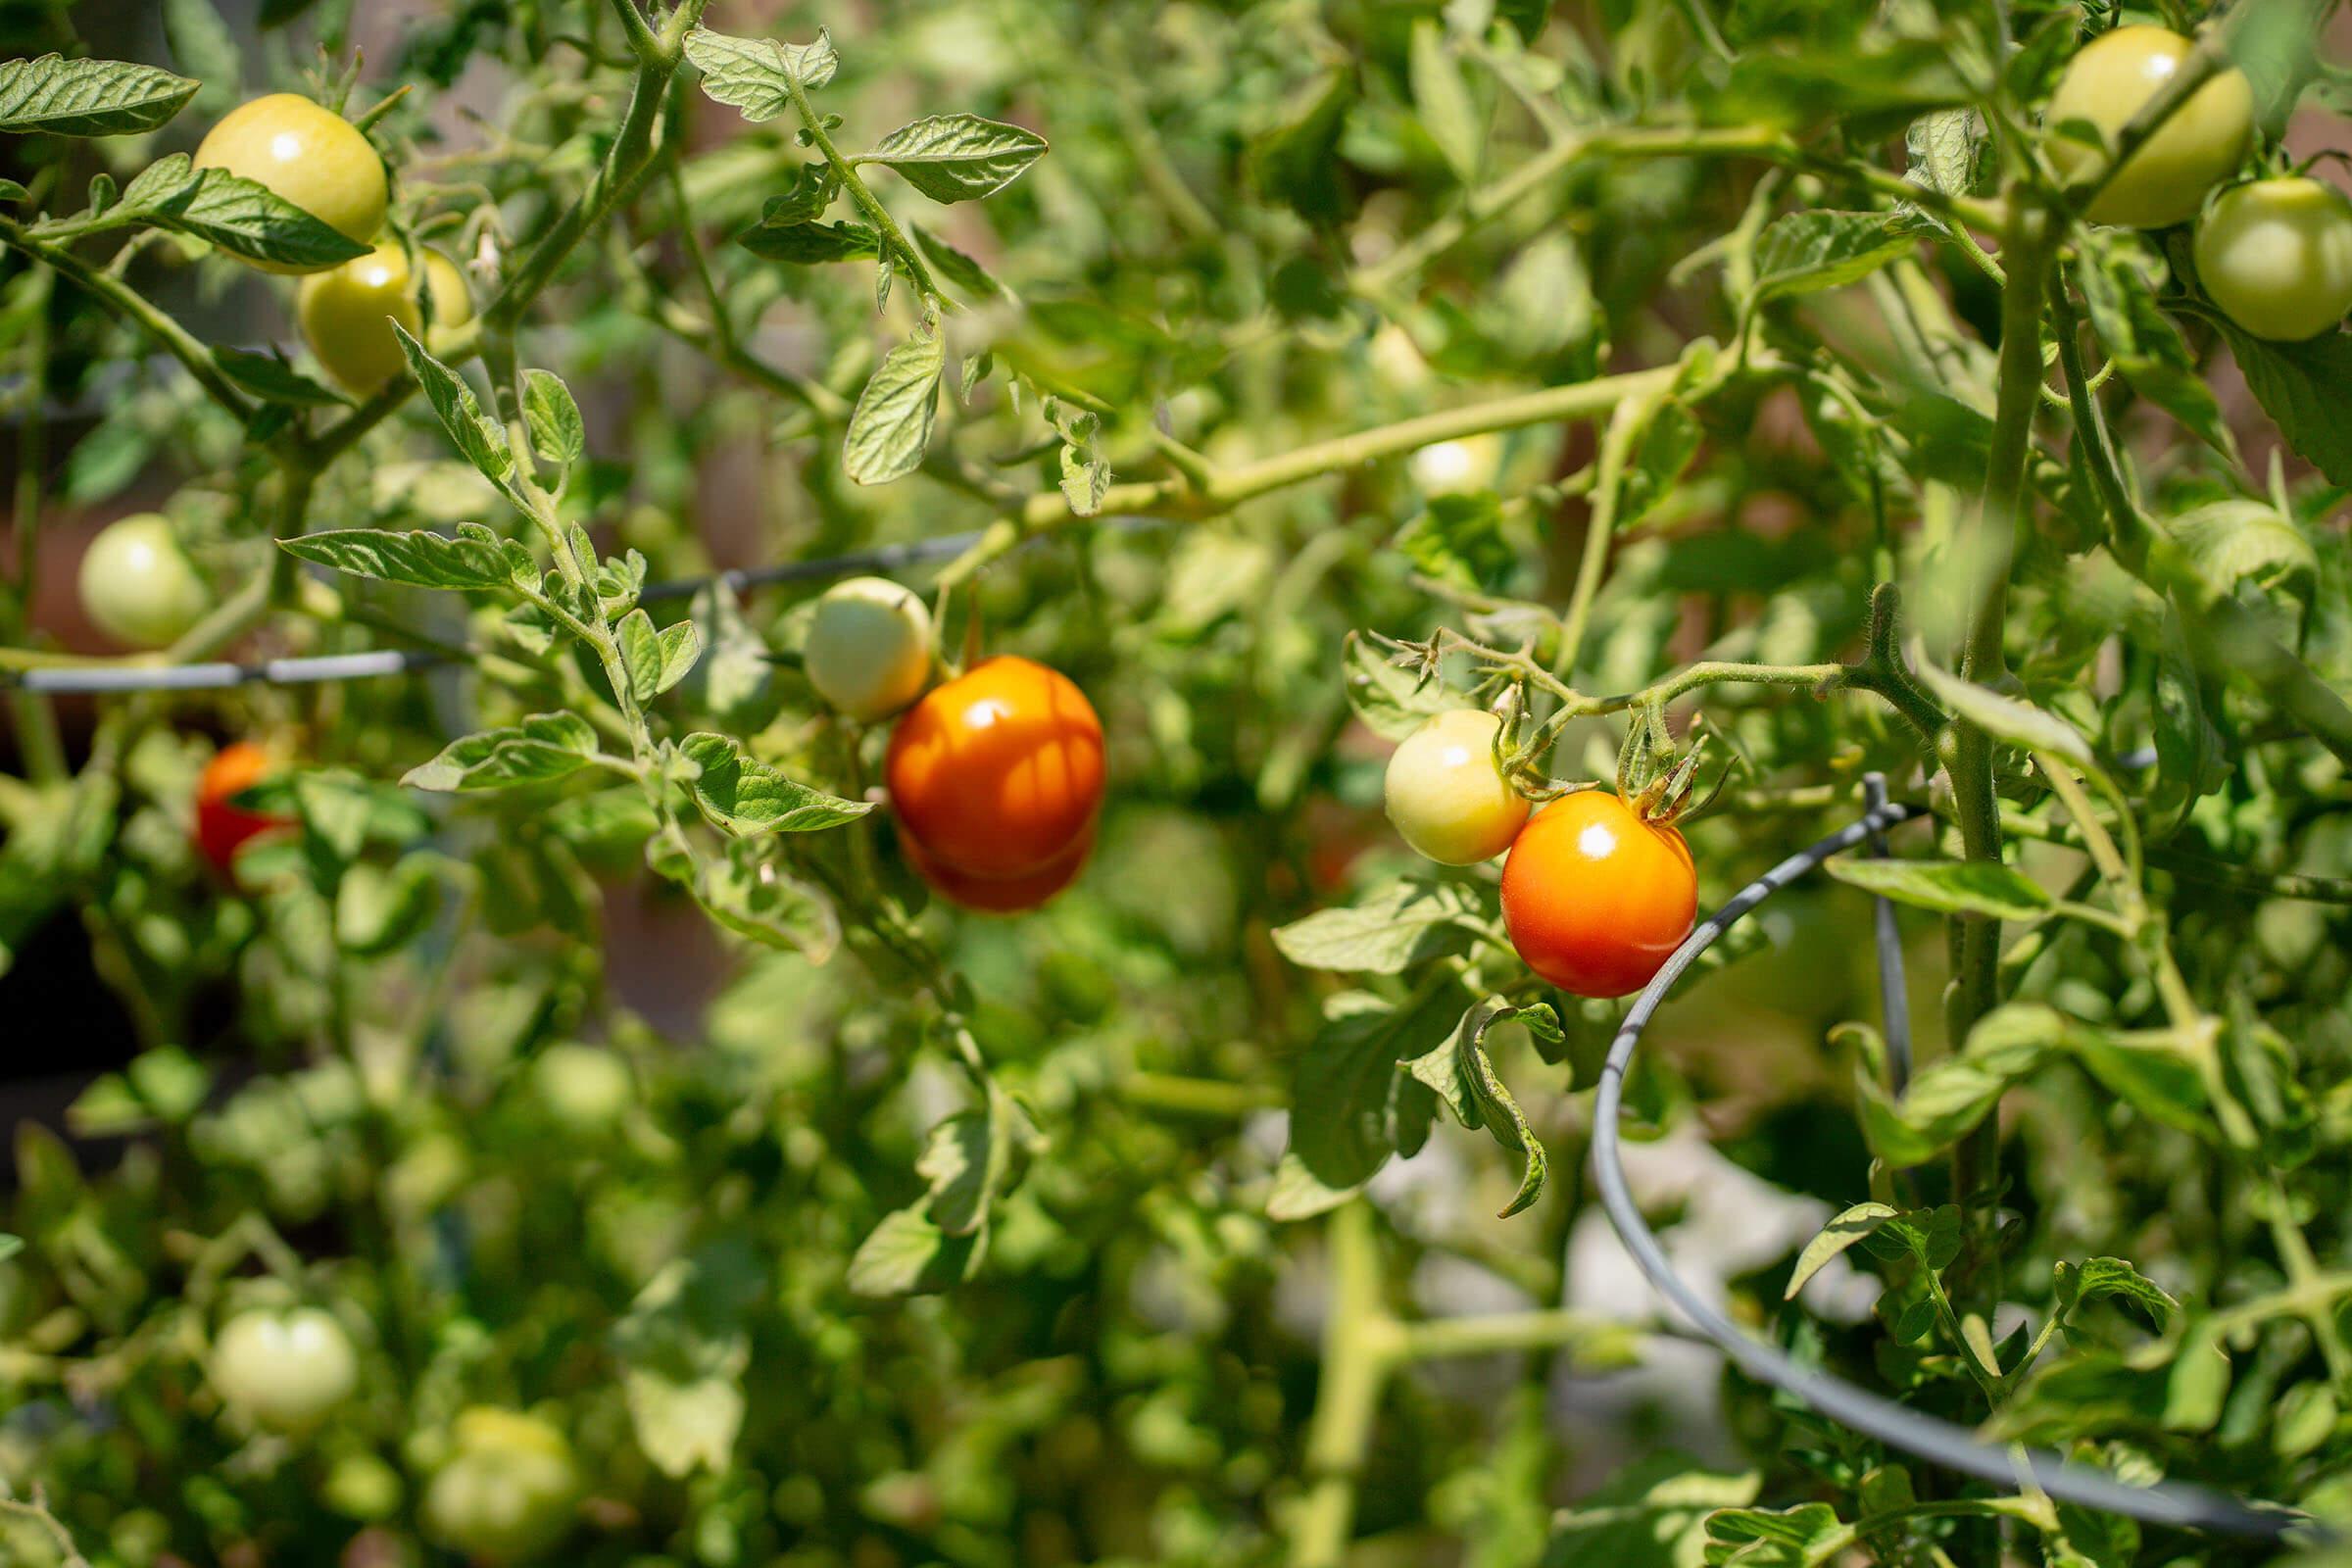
(2175, 1503)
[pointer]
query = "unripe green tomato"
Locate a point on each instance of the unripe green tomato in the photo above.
(1446, 795)
(137, 586)
(869, 651)
(507, 1490)
(2165, 181)
(1457, 468)
(284, 1370)
(311, 156)
(586, 1088)
(2275, 255)
(345, 313)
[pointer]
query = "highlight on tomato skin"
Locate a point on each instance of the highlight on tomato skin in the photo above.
(999, 771)
(1011, 894)
(222, 828)
(1594, 898)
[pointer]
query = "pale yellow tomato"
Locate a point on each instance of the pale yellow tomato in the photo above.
(346, 315)
(2203, 142)
(1446, 795)
(869, 651)
(311, 156)
(284, 1370)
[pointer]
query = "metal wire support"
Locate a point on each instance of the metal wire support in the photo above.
(2177, 1505)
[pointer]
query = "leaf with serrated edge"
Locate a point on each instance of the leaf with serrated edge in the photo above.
(754, 74)
(474, 559)
(543, 747)
(1948, 887)
(891, 426)
(478, 439)
(1383, 932)
(240, 215)
(552, 417)
(744, 796)
(958, 157)
(88, 97)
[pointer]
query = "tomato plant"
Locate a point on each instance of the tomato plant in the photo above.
(680, 511)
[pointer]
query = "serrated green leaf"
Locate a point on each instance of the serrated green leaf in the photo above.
(811, 244)
(88, 97)
(1834, 1237)
(552, 418)
(890, 428)
(1948, 887)
(479, 438)
(239, 216)
(958, 157)
(543, 747)
(755, 76)
(271, 379)
(1386, 931)
(744, 796)
(474, 559)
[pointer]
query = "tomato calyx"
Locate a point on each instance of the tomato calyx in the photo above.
(1657, 784)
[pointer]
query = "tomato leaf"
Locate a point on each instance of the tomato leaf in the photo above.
(744, 796)
(476, 558)
(756, 76)
(1386, 931)
(958, 157)
(543, 747)
(891, 426)
(88, 97)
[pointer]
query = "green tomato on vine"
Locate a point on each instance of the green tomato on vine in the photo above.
(137, 586)
(507, 1490)
(2165, 179)
(283, 1371)
(2275, 255)
(347, 313)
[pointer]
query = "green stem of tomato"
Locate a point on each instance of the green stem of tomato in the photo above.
(1360, 1346)
(1991, 552)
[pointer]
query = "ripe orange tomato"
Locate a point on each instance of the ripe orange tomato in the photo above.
(1005, 895)
(221, 826)
(998, 773)
(1594, 897)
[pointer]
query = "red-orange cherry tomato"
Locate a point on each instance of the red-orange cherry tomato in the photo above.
(1594, 897)
(1005, 895)
(221, 826)
(999, 772)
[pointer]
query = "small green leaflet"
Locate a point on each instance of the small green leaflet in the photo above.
(1387, 930)
(1802, 253)
(1463, 1077)
(811, 244)
(656, 660)
(88, 97)
(958, 157)
(271, 379)
(479, 437)
(755, 76)
(1948, 887)
(553, 420)
(890, 428)
(543, 747)
(744, 796)
(475, 559)
(1835, 1237)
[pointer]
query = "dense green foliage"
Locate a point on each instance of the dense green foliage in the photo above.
(1729, 392)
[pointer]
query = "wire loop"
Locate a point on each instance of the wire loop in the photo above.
(2178, 1504)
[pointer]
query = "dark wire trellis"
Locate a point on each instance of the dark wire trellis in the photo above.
(220, 674)
(2178, 1504)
